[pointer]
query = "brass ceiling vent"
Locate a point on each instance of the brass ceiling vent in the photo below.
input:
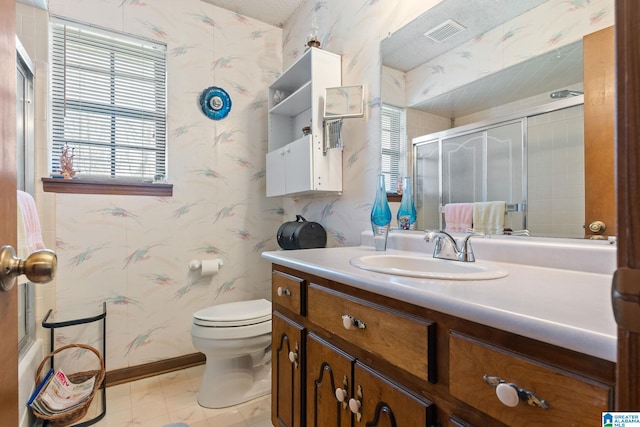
(444, 31)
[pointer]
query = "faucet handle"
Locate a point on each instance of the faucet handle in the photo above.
(466, 252)
(429, 235)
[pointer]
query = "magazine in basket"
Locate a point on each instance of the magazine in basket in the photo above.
(56, 394)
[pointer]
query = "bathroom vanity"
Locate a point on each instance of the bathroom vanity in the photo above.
(354, 347)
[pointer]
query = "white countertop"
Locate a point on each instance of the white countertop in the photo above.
(566, 306)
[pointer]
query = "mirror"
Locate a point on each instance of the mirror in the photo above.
(344, 102)
(509, 57)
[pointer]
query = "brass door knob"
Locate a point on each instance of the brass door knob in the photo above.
(39, 267)
(597, 227)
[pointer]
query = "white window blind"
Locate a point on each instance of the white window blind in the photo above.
(393, 145)
(108, 95)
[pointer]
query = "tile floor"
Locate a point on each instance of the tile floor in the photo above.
(172, 398)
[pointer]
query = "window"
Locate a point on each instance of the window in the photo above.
(108, 97)
(394, 150)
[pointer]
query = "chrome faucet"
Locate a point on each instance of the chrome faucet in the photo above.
(447, 248)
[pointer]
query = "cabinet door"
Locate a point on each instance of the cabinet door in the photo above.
(276, 173)
(287, 393)
(298, 161)
(329, 385)
(383, 403)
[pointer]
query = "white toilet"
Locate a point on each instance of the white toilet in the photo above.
(236, 340)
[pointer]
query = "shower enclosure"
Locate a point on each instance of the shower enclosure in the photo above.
(534, 163)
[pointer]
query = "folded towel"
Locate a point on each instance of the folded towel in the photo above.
(458, 217)
(488, 217)
(29, 232)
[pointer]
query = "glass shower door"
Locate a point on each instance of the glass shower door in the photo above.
(487, 165)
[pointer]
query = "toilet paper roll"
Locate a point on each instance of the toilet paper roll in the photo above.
(209, 266)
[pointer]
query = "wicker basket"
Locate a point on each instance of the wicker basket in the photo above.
(78, 412)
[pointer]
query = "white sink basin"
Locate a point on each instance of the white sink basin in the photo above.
(428, 267)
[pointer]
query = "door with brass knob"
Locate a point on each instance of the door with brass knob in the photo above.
(39, 267)
(8, 211)
(599, 132)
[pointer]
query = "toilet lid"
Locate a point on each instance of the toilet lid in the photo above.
(239, 313)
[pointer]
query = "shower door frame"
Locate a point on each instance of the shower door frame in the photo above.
(485, 125)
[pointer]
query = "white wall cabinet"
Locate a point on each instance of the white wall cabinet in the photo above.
(296, 164)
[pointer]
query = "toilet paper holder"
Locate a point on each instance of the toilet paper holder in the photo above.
(205, 265)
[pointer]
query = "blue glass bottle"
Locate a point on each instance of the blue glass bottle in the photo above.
(380, 216)
(407, 212)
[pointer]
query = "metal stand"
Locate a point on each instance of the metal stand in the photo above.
(54, 324)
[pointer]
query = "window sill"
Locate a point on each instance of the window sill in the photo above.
(394, 197)
(86, 186)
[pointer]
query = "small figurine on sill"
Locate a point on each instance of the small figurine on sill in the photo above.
(66, 162)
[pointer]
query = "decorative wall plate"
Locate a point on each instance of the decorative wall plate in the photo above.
(215, 103)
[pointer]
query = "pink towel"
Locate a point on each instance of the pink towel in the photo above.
(458, 217)
(32, 237)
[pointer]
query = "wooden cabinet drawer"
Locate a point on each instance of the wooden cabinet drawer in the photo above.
(406, 342)
(572, 400)
(288, 291)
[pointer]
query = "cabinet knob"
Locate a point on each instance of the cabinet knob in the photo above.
(350, 322)
(354, 405)
(341, 394)
(293, 357)
(283, 291)
(510, 394)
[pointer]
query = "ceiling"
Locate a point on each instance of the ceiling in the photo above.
(408, 48)
(40, 4)
(274, 12)
(545, 73)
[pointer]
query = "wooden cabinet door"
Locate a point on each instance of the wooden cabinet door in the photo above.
(328, 376)
(287, 368)
(386, 404)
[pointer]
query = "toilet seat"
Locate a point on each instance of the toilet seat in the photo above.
(234, 314)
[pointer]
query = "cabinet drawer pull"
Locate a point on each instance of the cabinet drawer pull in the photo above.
(350, 322)
(510, 394)
(342, 394)
(283, 291)
(293, 356)
(356, 404)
